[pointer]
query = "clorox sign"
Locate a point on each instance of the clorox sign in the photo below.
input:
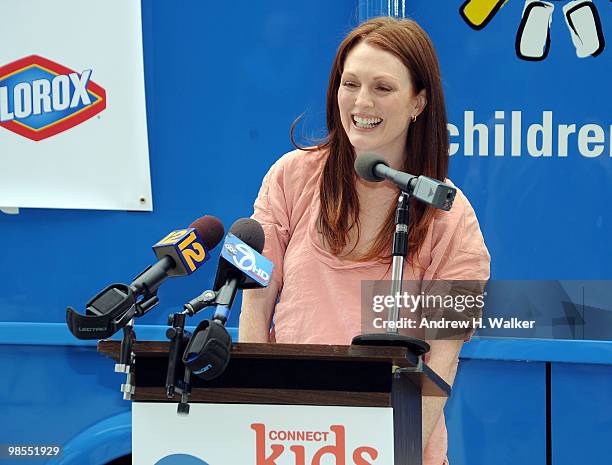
(40, 98)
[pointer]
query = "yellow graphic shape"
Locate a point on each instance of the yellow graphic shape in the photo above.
(478, 13)
(172, 238)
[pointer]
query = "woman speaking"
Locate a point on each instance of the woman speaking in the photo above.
(328, 230)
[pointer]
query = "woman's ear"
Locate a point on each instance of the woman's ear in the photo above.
(421, 102)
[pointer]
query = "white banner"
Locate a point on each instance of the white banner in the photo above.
(230, 434)
(73, 128)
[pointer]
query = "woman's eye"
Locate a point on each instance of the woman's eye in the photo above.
(350, 84)
(384, 89)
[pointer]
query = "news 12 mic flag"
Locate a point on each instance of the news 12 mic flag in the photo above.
(73, 130)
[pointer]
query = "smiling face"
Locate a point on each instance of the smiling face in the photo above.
(377, 100)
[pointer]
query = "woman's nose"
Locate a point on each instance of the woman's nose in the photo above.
(364, 98)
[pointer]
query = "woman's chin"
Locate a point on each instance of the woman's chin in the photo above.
(362, 146)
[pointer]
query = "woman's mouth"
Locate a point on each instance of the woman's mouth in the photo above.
(365, 123)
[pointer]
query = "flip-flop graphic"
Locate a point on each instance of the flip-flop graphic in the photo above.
(584, 24)
(533, 34)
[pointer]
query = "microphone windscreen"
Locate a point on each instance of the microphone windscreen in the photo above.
(364, 166)
(210, 230)
(250, 232)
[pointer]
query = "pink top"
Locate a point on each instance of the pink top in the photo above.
(320, 294)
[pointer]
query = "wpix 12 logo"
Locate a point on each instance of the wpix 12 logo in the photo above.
(40, 98)
(184, 245)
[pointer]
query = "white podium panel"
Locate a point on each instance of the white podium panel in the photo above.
(231, 434)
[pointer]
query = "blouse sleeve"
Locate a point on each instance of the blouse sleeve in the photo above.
(272, 212)
(460, 266)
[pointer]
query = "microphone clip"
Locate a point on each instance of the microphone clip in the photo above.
(148, 298)
(106, 313)
(109, 311)
(206, 299)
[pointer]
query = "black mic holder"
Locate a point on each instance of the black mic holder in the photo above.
(112, 309)
(105, 313)
(205, 299)
(205, 353)
(178, 339)
(127, 357)
(115, 308)
(127, 360)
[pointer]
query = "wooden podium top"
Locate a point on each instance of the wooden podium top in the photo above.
(282, 373)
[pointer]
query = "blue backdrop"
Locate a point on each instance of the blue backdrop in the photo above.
(223, 85)
(224, 81)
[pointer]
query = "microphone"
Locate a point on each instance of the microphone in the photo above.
(180, 253)
(375, 168)
(372, 167)
(241, 266)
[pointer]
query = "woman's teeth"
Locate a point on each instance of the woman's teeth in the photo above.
(366, 123)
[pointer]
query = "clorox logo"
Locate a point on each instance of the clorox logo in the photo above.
(40, 98)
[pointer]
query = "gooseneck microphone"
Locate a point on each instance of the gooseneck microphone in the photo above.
(180, 253)
(375, 168)
(372, 167)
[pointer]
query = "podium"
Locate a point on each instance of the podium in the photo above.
(379, 388)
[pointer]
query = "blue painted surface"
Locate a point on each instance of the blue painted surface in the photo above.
(595, 352)
(218, 116)
(223, 84)
(497, 414)
(542, 218)
(57, 334)
(51, 394)
(102, 442)
(581, 414)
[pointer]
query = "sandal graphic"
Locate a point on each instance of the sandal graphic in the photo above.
(532, 41)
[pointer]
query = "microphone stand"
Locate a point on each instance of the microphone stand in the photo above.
(127, 358)
(399, 252)
(179, 338)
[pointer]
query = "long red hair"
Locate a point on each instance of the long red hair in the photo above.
(426, 142)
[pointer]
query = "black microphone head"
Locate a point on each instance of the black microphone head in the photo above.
(364, 166)
(210, 230)
(250, 232)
